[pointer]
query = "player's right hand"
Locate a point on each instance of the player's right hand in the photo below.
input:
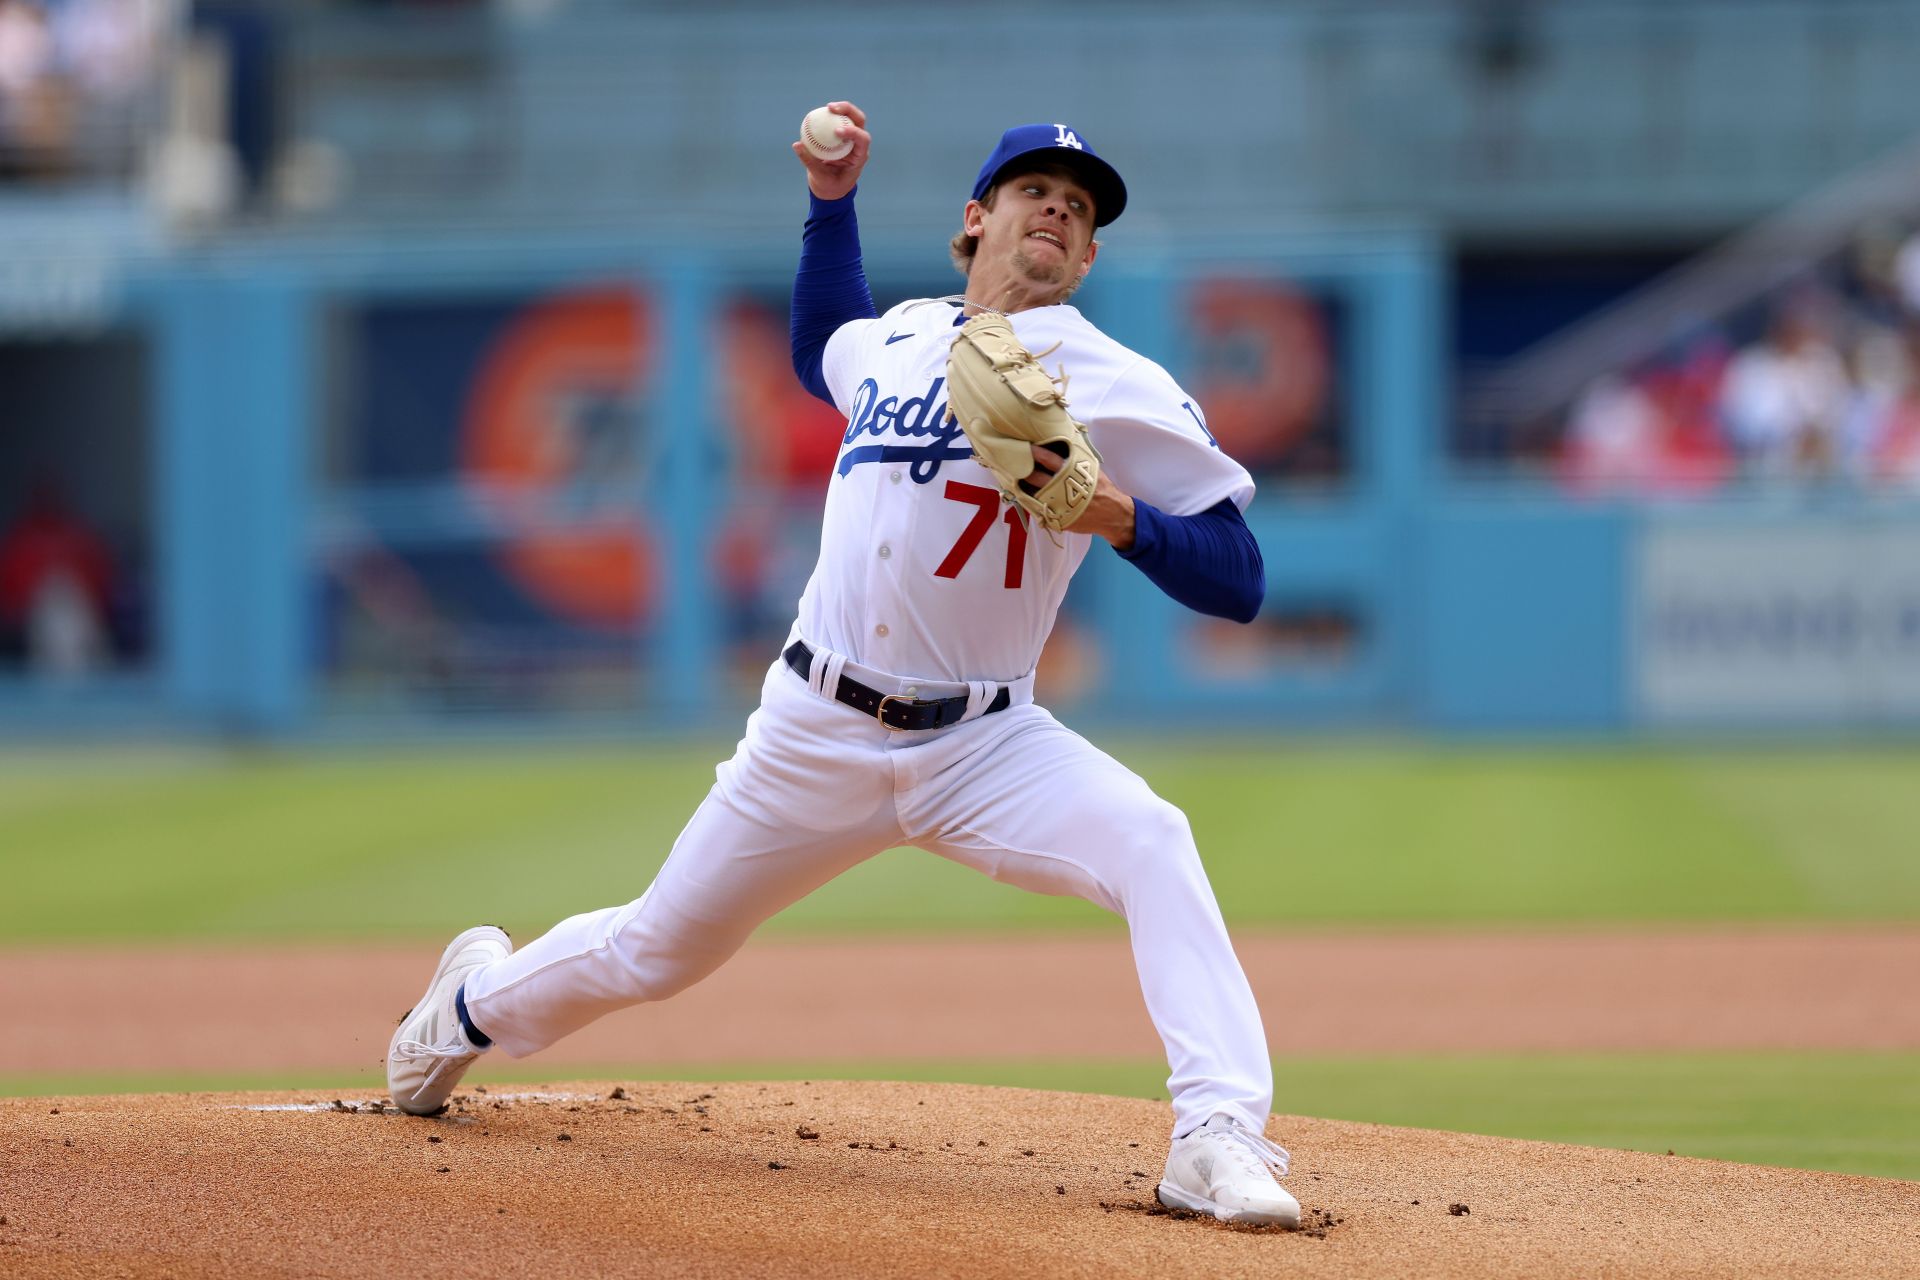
(832, 179)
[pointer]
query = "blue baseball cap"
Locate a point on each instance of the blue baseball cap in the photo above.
(1056, 144)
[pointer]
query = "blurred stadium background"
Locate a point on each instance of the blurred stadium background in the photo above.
(414, 372)
(392, 366)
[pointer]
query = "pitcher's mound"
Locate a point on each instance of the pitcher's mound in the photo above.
(861, 1179)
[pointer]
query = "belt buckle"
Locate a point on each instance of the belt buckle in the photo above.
(880, 712)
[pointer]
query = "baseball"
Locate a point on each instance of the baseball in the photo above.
(819, 134)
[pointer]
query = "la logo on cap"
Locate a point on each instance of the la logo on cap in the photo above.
(1066, 138)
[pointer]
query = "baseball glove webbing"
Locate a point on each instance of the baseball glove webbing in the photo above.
(1007, 403)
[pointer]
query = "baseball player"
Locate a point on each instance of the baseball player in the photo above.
(901, 709)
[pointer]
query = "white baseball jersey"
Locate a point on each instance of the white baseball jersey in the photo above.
(924, 569)
(924, 574)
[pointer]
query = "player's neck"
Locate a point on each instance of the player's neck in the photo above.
(1010, 292)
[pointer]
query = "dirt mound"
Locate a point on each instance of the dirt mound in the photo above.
(861, 1179)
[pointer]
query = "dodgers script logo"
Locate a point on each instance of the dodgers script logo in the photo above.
(917, 416)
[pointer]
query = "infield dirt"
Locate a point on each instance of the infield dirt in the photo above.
(901, 1180)
(329, 1009)
(904, 1179)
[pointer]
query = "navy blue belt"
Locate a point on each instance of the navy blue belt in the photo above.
(896, 711)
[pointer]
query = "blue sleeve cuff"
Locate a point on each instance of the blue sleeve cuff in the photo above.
(1147, 537)
(1208, 562)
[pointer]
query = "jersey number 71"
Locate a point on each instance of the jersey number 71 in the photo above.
(988, 502)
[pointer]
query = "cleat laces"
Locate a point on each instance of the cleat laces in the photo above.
(448, 1055)
(1254, 1152)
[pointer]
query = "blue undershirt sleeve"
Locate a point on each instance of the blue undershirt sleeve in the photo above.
(1208, 562)
(829, 287)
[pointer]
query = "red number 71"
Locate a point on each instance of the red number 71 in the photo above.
(988, 501)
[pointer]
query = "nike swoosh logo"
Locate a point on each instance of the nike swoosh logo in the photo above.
(898, 337)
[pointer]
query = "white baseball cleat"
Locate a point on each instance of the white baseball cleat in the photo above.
(1230, 1172)
(431, 1051)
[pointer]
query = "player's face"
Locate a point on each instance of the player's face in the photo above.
(1042, 224)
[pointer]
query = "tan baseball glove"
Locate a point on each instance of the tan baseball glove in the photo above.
(1006, 403)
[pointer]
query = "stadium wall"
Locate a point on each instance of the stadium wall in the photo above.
(392, 495)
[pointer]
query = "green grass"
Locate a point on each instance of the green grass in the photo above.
(417, 844)
(1844, 1112)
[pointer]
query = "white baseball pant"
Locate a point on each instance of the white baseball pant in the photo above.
(817, 787)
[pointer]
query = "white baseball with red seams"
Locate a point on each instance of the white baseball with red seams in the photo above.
(929, 585)
(820, 134)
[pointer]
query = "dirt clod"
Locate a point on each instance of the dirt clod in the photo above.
(1458, 1210)
(801, 1131)
(564, 1137)
(619, 1094)
(775, 1164)
(434, 1137)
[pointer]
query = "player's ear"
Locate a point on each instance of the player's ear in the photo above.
(1093, 251)
(971, 220)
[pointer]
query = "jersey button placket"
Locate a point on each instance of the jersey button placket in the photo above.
(893, 519)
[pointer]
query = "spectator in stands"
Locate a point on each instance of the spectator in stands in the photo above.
(26, 46)
(108, 46)
(1613, 440)
(1785, 398)
(1906, 274)
(1654, 429)
(56, 580)
(1883, 435)
(35, 114)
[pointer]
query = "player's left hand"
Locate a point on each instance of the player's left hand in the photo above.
(1109, 515)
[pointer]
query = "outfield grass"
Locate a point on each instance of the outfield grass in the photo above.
(410, 845)
(1844, 1112)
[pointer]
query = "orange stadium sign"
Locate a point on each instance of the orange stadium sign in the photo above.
(553, 429)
